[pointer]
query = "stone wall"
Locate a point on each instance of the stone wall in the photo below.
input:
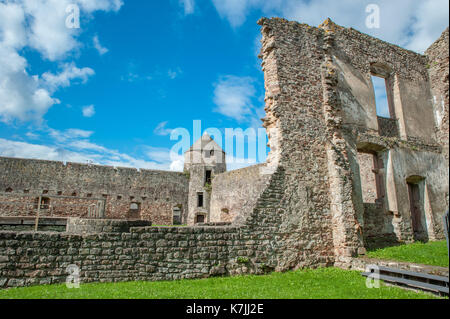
(309, 211)
(93, 226)
(155, 192)
(234, 194)
(438, 69)
(149, 253)
(352, 58)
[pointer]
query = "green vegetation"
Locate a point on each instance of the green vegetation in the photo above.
(323, 283)
(431, 253)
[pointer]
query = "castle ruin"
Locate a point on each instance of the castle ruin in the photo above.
(338, 179)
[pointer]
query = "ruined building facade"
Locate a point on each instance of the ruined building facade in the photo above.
(338, 178)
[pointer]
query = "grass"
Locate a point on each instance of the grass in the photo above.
(323, 283)
(431, 253)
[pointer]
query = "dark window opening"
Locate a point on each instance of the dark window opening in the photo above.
(74, 194)
(60, 193)
(200, 200)
(119, 197)
(26, 191)
(208, 176)
(177, 216)
(200, 219)
(9, 190)
(89, 195)
(45, 192)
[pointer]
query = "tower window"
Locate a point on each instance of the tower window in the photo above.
(208, 176)
(200, 200)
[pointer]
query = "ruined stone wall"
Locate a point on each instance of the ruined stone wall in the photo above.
(156, 192)
(293, 212)
(438, 69)
(414, 151)
(147, 253)
(235, 193)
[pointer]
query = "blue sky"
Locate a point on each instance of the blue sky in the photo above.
(111, 91)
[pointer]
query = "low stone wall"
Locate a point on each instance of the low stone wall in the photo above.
(146, 253)
(93, 226)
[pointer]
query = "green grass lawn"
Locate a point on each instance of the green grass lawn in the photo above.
(431, 253)
(323, 283)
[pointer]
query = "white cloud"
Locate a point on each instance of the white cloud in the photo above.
(233, 97)
(63, 79)
(69, 134)
(39, 25)
(101, 50)
(74, 145)
(89, 111)
(411, 24)
(161, 129)
(188, 5)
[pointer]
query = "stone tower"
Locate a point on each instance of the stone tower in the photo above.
(202, 161)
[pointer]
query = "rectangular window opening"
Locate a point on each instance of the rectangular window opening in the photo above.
(381, 97)
(200, 200)
(208, 177)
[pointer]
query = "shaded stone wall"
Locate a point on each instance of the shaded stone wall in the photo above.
(156, 192)
(154, 253)
(235, 193)
(438, 69)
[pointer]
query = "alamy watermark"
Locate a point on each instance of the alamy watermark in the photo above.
(373, 19)
(373, 279)
(73, 280)
(73, 17)
(247, 146)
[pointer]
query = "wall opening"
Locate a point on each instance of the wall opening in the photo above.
(371, 174)
(381, 97)
(200, 200)
(134, 211)
(177, 215)
(416, 193)
(208, 176)
(45, 203)
(200, 219)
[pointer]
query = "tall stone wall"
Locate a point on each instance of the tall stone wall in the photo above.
(235, 193)
(155, 192)
(294, 210)
(438, 69)
(415, 151)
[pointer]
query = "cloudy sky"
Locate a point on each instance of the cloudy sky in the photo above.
(111, 91)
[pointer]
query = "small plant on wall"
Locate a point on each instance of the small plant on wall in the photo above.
(208, 187)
